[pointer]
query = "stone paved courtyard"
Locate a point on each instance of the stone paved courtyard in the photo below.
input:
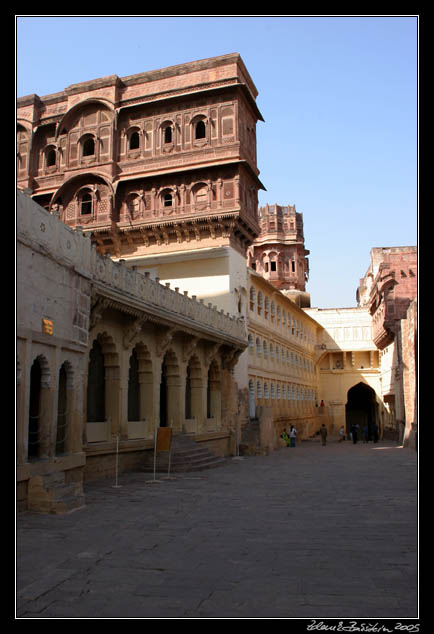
(310, 532)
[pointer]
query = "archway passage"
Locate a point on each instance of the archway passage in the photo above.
(34, 411)
(170, 394)
(62, 406)
(96, 385)
(361, 409)
(163, 395)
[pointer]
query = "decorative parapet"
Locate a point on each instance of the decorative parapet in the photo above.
(149, 295)
(119, 283)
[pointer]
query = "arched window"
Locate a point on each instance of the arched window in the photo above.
(168, 200)
(267, 307)
(22, 148)
(258, 346)
(200, 130)
(252, 298)
(86, 202)
(168, 134)
(88, 147)
(252, 402)
(201, 195)
(51, 157)
(134, 143)
(134, 204)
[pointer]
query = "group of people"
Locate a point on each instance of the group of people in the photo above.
(354, 434)
(289, 438)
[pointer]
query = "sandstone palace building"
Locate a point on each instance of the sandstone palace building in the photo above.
(152, 292)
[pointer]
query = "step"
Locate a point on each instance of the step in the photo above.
(186, 456)
(198, 461)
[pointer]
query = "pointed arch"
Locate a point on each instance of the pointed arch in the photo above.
(193, 389)
(103, 372)
(73, 113)
(170, 383)
(64, 407)
(213, 401)
(361, 409)
(38, 424)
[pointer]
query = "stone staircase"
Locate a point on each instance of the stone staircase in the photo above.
(186, 456)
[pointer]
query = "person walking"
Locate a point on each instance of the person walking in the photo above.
(375, 432)
(354, 432)
(365, 433)
(292, 435)
(323, 434)
(341, 434)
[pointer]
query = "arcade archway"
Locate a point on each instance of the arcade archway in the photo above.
(361, 408)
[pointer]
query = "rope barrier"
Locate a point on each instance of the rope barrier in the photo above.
(59, 427)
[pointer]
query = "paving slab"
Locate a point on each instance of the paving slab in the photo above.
(305, 532)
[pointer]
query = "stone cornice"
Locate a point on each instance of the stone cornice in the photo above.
(188, 318)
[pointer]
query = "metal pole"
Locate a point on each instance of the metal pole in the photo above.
(116, 485)
(155, 458)
(155, 451)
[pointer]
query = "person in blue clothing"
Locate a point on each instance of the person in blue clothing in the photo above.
(292, 435)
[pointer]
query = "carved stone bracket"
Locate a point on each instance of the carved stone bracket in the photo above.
(230, 358)
(188, 347)
(131, 331)
(211, 353)
(164, 340)
(99, 305)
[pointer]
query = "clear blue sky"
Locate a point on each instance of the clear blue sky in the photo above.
(339, 96)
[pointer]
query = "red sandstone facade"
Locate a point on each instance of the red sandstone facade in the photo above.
(279, 254)
(388, 288)
(157, 159)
